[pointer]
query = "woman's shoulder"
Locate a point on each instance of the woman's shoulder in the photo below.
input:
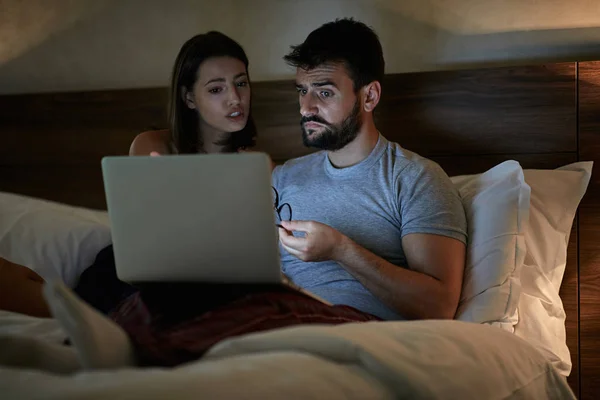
(150, 141)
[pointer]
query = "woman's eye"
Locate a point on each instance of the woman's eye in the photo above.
(242, 84)
(214, 90)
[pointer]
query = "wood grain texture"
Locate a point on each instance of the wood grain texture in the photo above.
(467, 121)
(569, 294)
(488, 111)
(79, 185)
(589, 231)
(519, 110)
(472, 164)
(76, 128)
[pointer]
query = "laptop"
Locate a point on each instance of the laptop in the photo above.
(193, 218)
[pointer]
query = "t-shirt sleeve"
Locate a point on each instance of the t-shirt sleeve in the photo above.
(429, 202)
(275, 177)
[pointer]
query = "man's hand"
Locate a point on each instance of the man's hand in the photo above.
(320, 242)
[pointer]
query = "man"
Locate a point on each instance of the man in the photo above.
(381, 231)
(384, 230)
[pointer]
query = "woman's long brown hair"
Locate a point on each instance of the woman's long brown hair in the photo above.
(183, 120)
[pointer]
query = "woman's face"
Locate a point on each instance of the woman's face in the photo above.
(221, 94)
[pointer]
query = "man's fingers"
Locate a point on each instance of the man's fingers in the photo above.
(292, 241)
(299, 226)
(294, 252)
(283, 231)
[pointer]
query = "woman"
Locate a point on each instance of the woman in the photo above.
(209, 108)
(209, 112)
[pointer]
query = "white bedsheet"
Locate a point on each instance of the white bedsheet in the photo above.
(377, 360)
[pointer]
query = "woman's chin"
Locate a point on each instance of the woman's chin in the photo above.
(234, 126)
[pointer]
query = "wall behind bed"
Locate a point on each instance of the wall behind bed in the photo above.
(73, 45)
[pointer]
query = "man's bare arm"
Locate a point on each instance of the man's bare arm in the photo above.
(429, 287)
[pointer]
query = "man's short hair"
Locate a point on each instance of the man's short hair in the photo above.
(345, 41)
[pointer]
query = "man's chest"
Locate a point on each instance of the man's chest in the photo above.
(365, 212)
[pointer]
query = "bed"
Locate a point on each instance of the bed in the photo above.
(469, 121)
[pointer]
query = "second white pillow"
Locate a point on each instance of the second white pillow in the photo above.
(497, 208)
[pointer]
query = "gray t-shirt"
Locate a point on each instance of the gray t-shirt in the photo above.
(391, 193)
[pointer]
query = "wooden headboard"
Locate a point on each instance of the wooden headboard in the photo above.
(543, 116)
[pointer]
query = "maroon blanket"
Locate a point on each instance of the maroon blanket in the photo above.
(161, 340)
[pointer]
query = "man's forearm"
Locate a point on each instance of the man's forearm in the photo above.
(412, 294)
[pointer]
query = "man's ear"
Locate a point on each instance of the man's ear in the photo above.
(371, 95)
(188, 98)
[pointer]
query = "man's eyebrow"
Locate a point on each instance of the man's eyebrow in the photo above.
(317, 84)
(324, 83)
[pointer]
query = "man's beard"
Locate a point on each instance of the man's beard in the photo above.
(332, 137)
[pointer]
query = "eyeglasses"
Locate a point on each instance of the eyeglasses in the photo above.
(280, 207)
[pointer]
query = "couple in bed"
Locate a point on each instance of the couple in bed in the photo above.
(378, 231)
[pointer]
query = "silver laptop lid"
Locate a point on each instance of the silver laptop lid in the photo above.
(192, 218)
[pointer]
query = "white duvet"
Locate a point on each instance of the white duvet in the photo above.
(376, 360)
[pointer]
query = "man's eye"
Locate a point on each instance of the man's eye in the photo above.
(325, 93)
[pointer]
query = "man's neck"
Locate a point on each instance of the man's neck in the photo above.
(357, 150)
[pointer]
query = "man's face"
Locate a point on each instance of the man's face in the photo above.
(331, 111)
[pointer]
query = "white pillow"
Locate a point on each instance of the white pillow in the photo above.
(555, 196)
(55, 240)
(497, 208)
